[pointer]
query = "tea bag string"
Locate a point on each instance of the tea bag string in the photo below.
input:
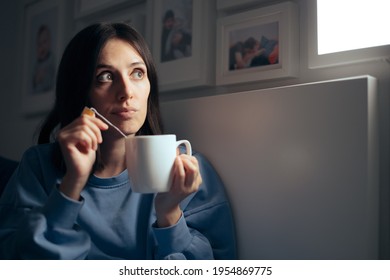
(107, 121)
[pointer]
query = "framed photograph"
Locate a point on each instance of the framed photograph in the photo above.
(182, 42)
(42, 43)
(133, 15)
(258, 45)
(85, 8)
(232, 4)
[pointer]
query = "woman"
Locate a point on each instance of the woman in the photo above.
(71, 199)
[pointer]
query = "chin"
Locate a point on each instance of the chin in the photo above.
(131, 131)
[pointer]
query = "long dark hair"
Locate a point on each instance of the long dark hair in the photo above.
(76, 73)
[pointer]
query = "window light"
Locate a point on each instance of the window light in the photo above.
(352, 24)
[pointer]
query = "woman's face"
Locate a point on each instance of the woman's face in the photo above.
(121, 87)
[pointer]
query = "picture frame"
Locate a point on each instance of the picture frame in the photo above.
(232, 4)
(183, 52)
(132, 14)
(42, 47)
(258, 45)
(86, 8)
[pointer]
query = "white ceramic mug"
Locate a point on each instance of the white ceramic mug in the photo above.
(150, 160)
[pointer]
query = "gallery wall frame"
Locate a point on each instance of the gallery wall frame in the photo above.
(258, 45)
(232, 4)
(184, 53)
(42, 46)
(86, 8)
(133, 14)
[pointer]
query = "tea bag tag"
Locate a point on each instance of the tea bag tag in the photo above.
(87, 111)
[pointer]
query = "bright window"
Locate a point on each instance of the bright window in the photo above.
(348, 31)
(352, 24)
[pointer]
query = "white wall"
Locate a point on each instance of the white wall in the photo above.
(17, 130)
(300, 169)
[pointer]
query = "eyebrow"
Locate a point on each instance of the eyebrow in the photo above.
(131, 65)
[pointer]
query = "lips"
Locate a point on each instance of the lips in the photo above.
(125, 113)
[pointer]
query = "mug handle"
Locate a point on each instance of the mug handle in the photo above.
(187, 144)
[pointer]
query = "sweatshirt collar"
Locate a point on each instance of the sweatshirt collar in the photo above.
(111, 182)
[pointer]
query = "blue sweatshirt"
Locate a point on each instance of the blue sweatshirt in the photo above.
(110, 221)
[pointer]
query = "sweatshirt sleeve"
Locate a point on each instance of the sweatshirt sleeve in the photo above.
(206, 228)
(36, 220)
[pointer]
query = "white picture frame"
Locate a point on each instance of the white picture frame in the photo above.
(132, 14)
(191, 67)
(232, 4)
(42, 47)
(86, 8)
(258, 45)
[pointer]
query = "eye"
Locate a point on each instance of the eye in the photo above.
(104, 77)
(138, 74)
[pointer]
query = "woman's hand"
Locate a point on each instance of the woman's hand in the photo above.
(79, 141)
(186, 180)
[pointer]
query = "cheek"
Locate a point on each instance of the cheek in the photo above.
(144, 96)
(99, 102)
(144, 101)
(95, 98)
(101, 93)
(144, 104)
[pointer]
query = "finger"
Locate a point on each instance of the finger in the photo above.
(91, 131)
(95, 125)
(179, 173)
(100, 124)
(93, 137)
(191, 170)
(87, 112)
(82, 139)
(81, 133)
(199, 179)
(189, 162)
(194, 160)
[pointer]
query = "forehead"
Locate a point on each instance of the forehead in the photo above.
(119, 49)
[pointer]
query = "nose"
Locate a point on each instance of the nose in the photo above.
(125, 88)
